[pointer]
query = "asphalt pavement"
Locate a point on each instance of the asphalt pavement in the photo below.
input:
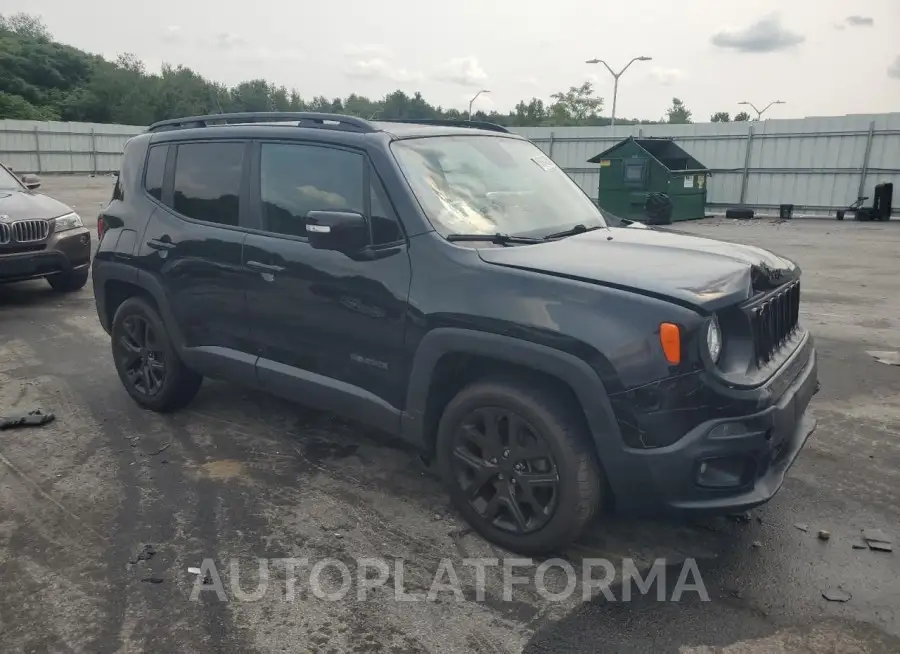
(104, 510)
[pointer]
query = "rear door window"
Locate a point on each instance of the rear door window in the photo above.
(208, 181)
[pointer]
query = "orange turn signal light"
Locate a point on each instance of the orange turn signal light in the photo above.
(670, 340)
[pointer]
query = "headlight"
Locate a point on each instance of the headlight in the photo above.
(69, 221)
(714, 339)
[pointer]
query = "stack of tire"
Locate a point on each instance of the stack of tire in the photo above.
(658, 208)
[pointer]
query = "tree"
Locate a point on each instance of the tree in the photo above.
(720, 117)
(41, 79)
(742, 117)
(678, 114)
(25, 25)
(576, 106)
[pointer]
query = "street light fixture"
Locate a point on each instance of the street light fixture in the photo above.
(616, 77)
(474, 98)
(758, 112)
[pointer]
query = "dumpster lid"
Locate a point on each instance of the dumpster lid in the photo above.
(663, 149)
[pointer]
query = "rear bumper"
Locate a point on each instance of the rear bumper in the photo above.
(755, 451)
(66, 252)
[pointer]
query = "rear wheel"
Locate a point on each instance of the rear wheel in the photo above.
(68, 282)
(516, 460)
(146, 360)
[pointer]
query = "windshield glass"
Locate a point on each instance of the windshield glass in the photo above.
(8, 181)
(488, 185)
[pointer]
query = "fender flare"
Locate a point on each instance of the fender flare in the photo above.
(105, 271)
(576, 373)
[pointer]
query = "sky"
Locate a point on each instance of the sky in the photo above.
(820, 57)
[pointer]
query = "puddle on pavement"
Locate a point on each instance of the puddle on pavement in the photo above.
(223, 469)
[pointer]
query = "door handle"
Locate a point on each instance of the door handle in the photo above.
(263, 267)
(157, 244)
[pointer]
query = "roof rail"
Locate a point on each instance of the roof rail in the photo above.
(449, 122)
(303, 118)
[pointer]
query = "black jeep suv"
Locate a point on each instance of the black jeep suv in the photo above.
(450, 285)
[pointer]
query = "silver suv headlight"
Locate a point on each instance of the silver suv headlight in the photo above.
(714, 339)
(69, 221)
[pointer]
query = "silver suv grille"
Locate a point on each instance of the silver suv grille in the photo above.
(24, 231)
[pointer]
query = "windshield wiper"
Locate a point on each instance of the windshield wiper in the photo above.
(577, 229)
(498, 239)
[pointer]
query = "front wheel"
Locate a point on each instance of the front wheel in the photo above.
(517, 461)
(68, 282)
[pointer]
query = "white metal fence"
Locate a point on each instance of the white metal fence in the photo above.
(817, 164)
(30, 146)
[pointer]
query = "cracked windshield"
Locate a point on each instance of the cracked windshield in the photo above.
(488, 185)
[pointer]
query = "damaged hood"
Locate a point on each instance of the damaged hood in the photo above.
(698, 272)
(22, 205)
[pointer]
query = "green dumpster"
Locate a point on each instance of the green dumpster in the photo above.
(637, 166)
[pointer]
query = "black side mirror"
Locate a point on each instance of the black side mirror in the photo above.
(31, 182)
(343, 231)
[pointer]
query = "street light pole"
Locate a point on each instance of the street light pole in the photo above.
(616, 76)
(758, 112)
(474, 98)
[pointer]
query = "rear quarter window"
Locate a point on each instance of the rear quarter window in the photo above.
(155, 170)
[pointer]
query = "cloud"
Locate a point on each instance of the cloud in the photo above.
(766, 35)
(367, 51)
(269, 55)
(227, 41)
(859, 21)
(172, 34)
(665, 76)
(465, 71)
(894, 69)
(529, 81)
(380, 69)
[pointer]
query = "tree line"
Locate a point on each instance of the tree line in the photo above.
(42, 79)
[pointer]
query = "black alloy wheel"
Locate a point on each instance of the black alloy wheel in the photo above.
(142, 355)
(506, 470)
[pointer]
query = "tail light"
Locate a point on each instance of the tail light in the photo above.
(100, 227)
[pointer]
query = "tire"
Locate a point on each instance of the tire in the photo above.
(69, 282)
(547, 417)
(172, 385)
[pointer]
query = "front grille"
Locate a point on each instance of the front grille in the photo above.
(774, 321)
(5, 234)
(29, 231)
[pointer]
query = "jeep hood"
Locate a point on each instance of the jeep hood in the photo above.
(20, 205)
(698, 272)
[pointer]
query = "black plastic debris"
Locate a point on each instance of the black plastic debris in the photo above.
(152, 580)
(837, 595)
(146, 553)
(33, 418)
(877, 540)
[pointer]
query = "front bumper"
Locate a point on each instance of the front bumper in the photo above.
(757, 449)
(65, 252)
